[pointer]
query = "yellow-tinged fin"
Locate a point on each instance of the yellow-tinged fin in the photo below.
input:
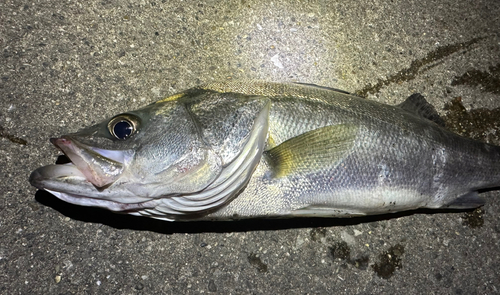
(271, 143)
(312, 151)
(172, 97)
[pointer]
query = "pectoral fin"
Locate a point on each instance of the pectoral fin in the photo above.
(319, 149)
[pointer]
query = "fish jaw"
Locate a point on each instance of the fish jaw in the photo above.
(91, 172)
(69, 184)
(106, 204)
(99, 167)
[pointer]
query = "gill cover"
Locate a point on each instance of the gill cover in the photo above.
(235, 127)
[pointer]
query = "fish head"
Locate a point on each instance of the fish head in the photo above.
(148, 158)
(132, 157)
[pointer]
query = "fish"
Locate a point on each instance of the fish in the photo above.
(253, 149)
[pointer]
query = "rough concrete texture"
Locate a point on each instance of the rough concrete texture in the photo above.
(67, 64)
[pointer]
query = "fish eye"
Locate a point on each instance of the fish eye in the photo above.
(123, 126)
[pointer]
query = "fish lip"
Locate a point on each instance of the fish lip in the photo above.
(39, 177)
(99, 166)
(66, 145)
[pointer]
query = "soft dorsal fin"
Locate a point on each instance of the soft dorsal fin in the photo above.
(322, 148)
(416, 104)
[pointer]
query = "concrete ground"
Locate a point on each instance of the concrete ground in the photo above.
(67, 64)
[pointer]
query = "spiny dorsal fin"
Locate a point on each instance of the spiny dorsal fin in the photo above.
(312, 151)
(416, 104)
(271, 89)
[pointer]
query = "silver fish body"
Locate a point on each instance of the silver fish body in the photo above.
(254, 149)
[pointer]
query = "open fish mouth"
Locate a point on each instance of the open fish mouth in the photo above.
(84, 180)
(99, 166)
(88, 166)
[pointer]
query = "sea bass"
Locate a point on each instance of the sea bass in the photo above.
(236, 150)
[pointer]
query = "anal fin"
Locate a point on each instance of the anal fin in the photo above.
(470, 200)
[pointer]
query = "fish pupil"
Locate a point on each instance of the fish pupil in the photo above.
(123, 129)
